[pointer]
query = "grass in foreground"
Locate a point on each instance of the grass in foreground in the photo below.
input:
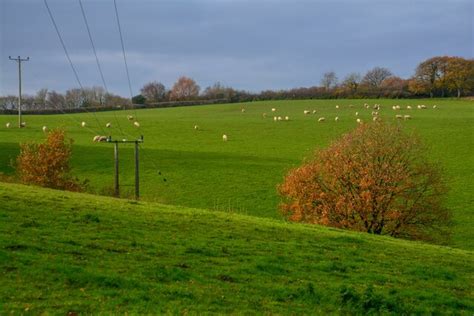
(241, 175)
(65, 252)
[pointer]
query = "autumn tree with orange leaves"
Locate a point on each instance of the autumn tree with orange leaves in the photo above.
(184, 89)
(375, 179)
(47, 164)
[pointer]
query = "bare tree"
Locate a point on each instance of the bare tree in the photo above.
(153, 91)
(218, 91)
(374, 78)
(352, 81)
(8, 102)
(55, 100)
(329, 80)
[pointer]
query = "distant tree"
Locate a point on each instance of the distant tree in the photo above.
(352, 81)
(374, 77)
(329, 80)
(377, 179)
(153, 92)
(47, 164)
(9, 102)
(394, 87)
(460, 75)
(55, 100)
(428, 75)
(184, 89)
(218, 91)
(113, 100)
(138, 99)
(74, 98)
(40, 98)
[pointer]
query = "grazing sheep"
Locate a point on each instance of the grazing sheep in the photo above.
(224, 137)
(359, 121)
(196, 127)
(279, 118)
(398, 116)
(306, 112)
(264, 115)
(421, 106)
(98, 139)
(435, 106)
(287, 118)
(408, 107)
(376, 107)
(136, 124)
(243, 110)
(7, 125)
(396, 107)
(83, 124)
(130, 117)
(336, 118)
(108, 125)
(314, 111)
(321, 119)
(275, 118)
(274, 110)
(357, 113)
(375, 118)
(337, 106)
(366, 105)
(375, 113)
(23, 124)
(45, 129)
(407, 117)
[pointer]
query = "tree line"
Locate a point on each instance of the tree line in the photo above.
(441, 76)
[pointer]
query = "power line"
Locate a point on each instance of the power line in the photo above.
(123, 51)
(97, 61)
(69, 58)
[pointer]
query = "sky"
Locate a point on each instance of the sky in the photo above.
(246, 44)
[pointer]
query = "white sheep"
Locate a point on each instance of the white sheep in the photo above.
(287, 118)
(398, 116)
(196, 127)
(336, 118)
(136, 124)
(375, 113)
(99, 138)
(45, 129)
(357, 113)
(314, 111)
(243, 110)
(274, 110)
(366, 105)
(408, 107)
(224, 137)
(83, 124)
(376, 107)
(23, 124)
(108, 125)
(321, 119)
(359, 121)
(407, 117)
(130, 117)
(435, 106)
(7, 125)
(337, 106)
(275, 118)
(375, 118)
(264, 115)
(306, 112)
(279, 118)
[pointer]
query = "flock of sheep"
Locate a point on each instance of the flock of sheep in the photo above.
(375, 116)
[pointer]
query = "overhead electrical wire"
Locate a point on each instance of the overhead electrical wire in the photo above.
(69, 58)
(98, 62)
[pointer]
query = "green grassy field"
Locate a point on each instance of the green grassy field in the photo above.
(241, 175)
(64, 252)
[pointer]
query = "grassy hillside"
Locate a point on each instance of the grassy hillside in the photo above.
(241, 175)
(65, 252)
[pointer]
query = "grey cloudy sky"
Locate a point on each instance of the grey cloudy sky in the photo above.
(246, 44)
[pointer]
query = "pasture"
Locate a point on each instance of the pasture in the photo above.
(241, 175)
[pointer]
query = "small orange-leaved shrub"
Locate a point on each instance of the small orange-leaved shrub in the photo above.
(375, 179)
(47, 164)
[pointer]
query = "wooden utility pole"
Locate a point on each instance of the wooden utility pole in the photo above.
(137, 164)
(19, 60)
